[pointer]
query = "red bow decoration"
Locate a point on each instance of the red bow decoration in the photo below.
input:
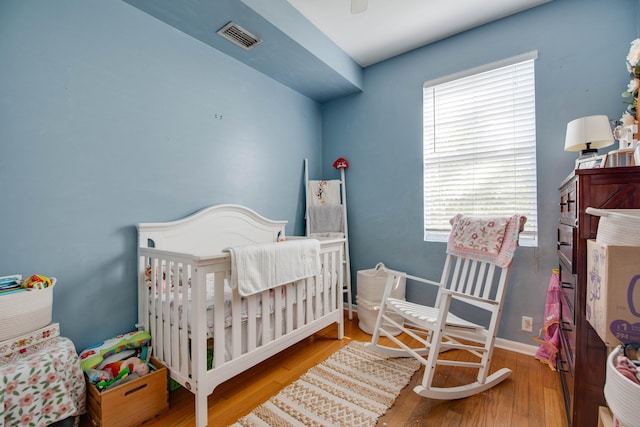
(341, 163)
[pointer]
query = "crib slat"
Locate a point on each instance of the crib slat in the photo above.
(301, 292)
(236, 325)
(143, 295)
(309, 292)
(277, 311)
(218, 322)
(326, 290)
(183, 338)
(166, 313)
(251, 322)
(318, 283)
(156, 320)
(173, 290)
(266, 318)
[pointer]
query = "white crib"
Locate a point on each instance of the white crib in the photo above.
(182, 261)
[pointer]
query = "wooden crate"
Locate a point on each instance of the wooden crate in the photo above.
(131, 403)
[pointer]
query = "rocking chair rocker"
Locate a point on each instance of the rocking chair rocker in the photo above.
(476, 272)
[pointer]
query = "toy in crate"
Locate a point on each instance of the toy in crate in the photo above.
(125, 385)
(25, 306)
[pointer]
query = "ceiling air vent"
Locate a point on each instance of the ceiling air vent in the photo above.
(238, 35)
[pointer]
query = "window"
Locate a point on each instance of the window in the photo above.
(480, 146)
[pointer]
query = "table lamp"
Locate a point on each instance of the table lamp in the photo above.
(587, 134)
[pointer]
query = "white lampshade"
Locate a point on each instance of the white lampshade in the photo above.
(587, 134)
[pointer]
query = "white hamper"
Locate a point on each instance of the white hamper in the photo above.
(617, 227)
(26, 311)
(370, 288)
(621, 393)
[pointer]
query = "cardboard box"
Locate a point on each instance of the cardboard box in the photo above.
(131, 403)
(613, 292)
(605, 419)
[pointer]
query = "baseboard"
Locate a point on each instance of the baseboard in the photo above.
(515, 346)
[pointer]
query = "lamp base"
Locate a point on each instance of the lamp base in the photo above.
(588, 152)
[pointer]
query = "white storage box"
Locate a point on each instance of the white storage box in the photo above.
(18, 347)
(370, 288)
(621, 393)
(26, 311)
(619, 227)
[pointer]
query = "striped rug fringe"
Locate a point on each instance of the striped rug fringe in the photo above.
(353, 387)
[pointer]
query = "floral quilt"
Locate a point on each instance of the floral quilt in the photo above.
(43, 387)
(485, 239)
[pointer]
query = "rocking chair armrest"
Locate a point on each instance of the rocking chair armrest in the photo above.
(461, 295)
(408, 276)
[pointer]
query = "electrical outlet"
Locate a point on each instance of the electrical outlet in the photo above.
(527, 324)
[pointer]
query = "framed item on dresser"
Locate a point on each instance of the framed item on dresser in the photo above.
(592, 162)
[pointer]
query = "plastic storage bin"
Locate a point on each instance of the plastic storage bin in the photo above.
(370, 288)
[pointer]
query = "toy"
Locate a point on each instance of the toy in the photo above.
(341, 163)
(92, 356)
(118, 372)
(97, 375)
(162, 283)
(117, 357)
(36, 281)
(132, 365)
(107, 383)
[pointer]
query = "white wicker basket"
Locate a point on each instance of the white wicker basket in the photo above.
(621, 393)
(24, 312)
(618, 227)
(370, 286)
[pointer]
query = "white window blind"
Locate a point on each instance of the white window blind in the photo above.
(480, 146)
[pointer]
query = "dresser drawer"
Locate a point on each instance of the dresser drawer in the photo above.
(566, 378)
(568, 302)
(568, 344)
(567, 245)
(568, 203)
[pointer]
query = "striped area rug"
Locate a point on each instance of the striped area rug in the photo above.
(353, 387)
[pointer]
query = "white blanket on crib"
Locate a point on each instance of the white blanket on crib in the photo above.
(255, 268)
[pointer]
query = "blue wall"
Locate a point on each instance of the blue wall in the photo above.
(580, 70)
(107, 119)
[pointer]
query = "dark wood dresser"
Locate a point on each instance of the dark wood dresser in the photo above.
(582, 360)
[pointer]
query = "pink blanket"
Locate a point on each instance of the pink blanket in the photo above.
(488, 239)
(550, 340)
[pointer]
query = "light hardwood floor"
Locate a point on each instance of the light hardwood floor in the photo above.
(532, 396)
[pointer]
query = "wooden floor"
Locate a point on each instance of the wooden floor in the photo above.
(532, 396)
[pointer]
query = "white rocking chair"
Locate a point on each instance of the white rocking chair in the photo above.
(476, 276)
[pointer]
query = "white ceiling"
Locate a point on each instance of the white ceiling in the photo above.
(391, 27)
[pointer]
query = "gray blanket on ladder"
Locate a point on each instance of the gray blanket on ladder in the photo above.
(323, 219)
